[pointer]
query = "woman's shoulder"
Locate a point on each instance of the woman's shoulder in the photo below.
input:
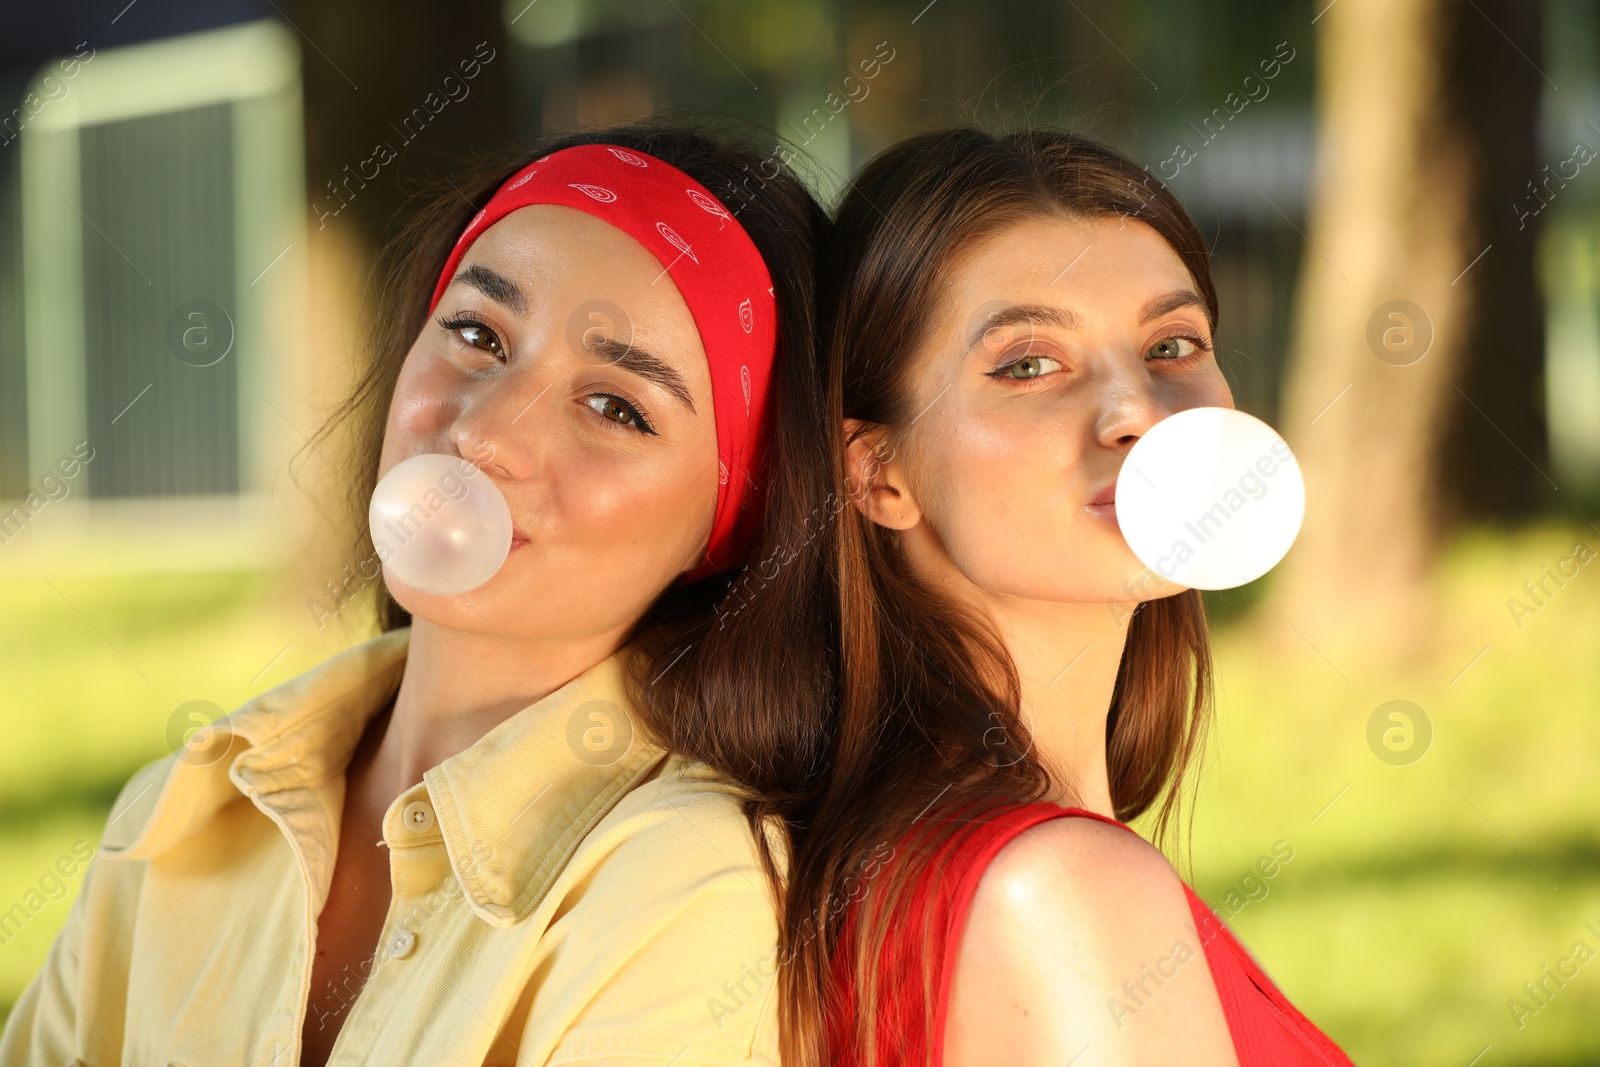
(690, 788)
(687, 818)
(1069, 851)
(667, 904)
(1082, 885)
(1030, 855)
(1079, 918)
(141, 803)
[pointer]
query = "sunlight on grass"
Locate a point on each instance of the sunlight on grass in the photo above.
(1422, 896)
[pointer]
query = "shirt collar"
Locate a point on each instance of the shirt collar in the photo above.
(511, 808)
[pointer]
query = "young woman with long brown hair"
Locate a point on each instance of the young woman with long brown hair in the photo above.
(1003, 318)
(472, 839)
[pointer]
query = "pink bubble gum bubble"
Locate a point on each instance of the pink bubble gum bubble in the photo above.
(440, 524)
(1210, 498)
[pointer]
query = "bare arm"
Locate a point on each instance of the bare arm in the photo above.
(1080, 949)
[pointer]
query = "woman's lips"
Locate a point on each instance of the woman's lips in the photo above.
(1104, 502)
(1107, 510)
(517, 540)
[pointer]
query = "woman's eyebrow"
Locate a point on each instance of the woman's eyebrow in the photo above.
(631, 357)
(1031, 314)
(1067, 319)
(1178, 298)
(495, 286)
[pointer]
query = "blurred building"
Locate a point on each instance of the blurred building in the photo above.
(150, 194)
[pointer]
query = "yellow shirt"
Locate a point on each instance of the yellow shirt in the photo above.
(563, 891)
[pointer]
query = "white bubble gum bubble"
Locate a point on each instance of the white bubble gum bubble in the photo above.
(440, 524)
(1210, 498)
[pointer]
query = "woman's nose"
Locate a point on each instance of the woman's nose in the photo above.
(498, 428)
(1129, 403)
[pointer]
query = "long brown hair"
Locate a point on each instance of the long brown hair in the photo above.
(928, 737)
(701, 631)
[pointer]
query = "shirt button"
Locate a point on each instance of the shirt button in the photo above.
(401, 943)
(418, 817)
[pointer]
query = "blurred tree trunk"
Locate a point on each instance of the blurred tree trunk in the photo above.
(1496, 448)
(1426, 119)
(374, 73)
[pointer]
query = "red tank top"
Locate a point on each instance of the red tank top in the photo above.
(1267, 1031)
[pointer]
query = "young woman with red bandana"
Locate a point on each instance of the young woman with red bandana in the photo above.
(472, 839)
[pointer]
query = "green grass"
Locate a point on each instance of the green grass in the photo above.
(1418, 901)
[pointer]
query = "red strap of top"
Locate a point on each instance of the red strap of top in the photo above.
(1265, 1027)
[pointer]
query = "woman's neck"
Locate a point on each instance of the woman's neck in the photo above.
(1067, 657)
(459, 685)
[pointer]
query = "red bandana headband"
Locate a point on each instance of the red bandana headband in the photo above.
(720, 275)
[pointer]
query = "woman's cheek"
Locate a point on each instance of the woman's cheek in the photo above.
(424, 400)
(636, 505)
(1208, 389)
(1008, 516)
(975, 488)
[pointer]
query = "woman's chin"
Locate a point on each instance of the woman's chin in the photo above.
(446, 609)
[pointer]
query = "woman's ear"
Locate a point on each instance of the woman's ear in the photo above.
(875, 479)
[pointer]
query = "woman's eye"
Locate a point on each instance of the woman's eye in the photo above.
(1170, 348)
(481, 337)
(1032, 365)
(475, 334)
(617, 410)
